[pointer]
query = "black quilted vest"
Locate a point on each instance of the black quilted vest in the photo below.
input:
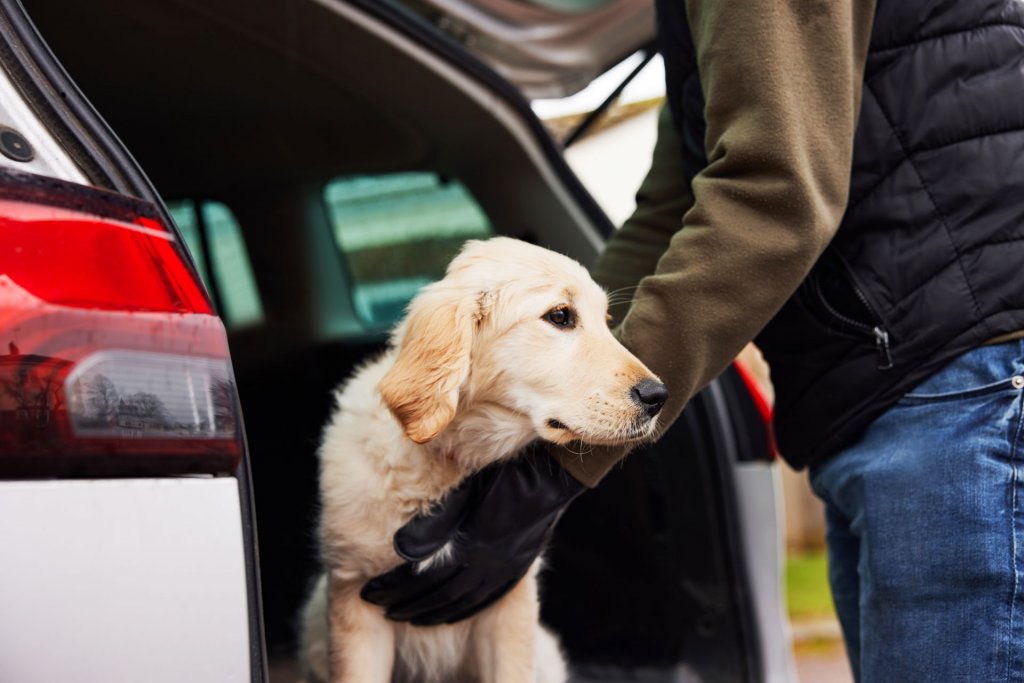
(928, 259)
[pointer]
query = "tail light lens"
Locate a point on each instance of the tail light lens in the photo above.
(111, 360)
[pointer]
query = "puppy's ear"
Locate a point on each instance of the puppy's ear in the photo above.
(422, 388)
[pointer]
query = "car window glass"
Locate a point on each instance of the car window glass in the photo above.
(187, 219)
(232, 274)
(397, 232)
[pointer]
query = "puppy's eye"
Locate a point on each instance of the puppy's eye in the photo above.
(564, 318)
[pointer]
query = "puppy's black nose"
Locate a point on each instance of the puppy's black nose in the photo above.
(651, 395)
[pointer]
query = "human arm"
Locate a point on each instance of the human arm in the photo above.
(782, 86)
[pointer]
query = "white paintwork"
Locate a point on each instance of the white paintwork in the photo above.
(122, 580)
(762, 521)
(50, 159)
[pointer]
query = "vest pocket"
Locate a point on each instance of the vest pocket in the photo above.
(834, 296)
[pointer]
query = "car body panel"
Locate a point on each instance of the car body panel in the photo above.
(759, 496)
(123, 580)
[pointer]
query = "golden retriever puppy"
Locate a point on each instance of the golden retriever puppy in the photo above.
(512, 345)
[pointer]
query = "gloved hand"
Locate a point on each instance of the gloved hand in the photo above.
(498, 520)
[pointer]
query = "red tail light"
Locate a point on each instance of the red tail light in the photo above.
(111, 360)
(761, 402)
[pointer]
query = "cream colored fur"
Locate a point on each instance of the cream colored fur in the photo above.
(474, 373)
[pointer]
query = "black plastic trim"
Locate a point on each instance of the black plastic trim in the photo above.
(39, 189)
(257, 636)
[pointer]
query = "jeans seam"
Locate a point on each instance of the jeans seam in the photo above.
(1014, 523)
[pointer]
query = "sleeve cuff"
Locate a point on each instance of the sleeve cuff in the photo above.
(588, 465)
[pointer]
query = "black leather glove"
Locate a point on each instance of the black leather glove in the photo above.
(498, 519)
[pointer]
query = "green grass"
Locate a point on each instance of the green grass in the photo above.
(807, 585)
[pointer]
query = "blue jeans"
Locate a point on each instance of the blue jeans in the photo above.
(925, 528)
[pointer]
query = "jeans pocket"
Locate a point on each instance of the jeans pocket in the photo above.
(981, 372)
(1010, 384)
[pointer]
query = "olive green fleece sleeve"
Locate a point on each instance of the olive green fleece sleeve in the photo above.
(782, 82)
(635, 248)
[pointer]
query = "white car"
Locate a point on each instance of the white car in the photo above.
(320, 160)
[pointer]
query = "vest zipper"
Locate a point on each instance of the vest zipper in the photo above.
(876, 332)
(882, 344)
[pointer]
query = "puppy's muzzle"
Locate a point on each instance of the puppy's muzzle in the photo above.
(650, 396)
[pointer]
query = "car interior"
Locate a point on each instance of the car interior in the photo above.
(322, 168)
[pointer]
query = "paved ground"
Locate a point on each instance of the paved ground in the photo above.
(819, 652)
(822, 663)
